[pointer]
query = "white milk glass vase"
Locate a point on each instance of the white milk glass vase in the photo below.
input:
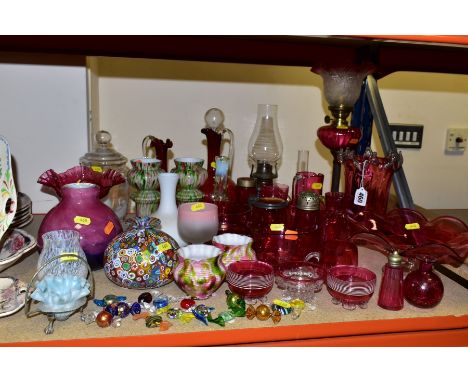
(167, 210)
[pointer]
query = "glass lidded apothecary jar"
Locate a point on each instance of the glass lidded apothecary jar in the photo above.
(104, 157)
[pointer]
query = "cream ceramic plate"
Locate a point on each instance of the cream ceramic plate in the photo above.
(12, 295)
(8, 196)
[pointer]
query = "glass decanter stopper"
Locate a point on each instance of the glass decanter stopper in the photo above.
(391, 287)
(214, 119)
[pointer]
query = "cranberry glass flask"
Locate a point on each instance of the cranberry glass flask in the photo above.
(422, 287)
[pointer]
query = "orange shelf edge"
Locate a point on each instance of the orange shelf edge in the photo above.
(442, 331)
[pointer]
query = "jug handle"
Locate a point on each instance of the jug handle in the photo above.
(231, 144)
(313, 255)
(144, 145)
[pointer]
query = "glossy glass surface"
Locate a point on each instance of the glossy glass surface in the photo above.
(391, 288)
(350, 285)
(334, 139)
(250, 279)
(300, 279)
(306, 181)
(422, 287)
(372, 173)
(197, 225)
(338, 252)
(80, 209)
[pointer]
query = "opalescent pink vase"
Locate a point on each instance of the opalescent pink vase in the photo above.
(81, 209)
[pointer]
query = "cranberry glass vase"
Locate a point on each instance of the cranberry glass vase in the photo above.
(422, 287)
(374, 175)
(80, 209)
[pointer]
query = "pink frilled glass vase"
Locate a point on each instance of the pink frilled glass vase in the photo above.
(81, 210)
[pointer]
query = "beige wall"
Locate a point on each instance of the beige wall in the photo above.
(168, 99)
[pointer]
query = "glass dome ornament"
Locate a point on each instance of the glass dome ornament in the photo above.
(341, 86)
(265, 145)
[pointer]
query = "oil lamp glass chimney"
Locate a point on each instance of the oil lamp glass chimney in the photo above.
(342, 86)
(265, 145)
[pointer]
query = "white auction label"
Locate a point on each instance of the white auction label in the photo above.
(360, 197)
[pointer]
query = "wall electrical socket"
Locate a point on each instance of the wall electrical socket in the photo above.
(407, 136)
(456, 140)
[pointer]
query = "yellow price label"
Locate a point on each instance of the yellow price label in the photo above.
(411, 226)
(276, 227)
(164, 246)
(96, 168)
(197, 207)
(341, 127)
(82, 220)
(68, 256)
(213, 164)
(317, 186)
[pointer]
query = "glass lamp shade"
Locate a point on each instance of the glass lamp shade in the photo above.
(265, 143)
(334, 139)
(342, 85)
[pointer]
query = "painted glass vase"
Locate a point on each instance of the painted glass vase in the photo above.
(192, 176)
(143, 177)
(141, 258)
(81, 209)
(198, 272)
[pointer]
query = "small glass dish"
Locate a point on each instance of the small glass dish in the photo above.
(300, 279)
(351, 285)
(250, 279)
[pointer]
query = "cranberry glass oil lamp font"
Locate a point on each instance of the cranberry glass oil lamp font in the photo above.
(341, 87)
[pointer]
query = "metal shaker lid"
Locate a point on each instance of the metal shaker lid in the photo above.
(308, 201)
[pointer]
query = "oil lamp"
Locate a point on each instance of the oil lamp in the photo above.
(265, 146)
(342, 87)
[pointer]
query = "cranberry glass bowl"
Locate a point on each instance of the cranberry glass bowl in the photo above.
(250, 278)
(351, 285)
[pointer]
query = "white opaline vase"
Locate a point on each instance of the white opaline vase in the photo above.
(167, 210)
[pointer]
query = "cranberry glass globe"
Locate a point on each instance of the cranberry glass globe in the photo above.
(422, 287)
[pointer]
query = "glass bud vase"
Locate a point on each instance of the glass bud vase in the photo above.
(422, 287)
(167, 210)
(81, 209)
